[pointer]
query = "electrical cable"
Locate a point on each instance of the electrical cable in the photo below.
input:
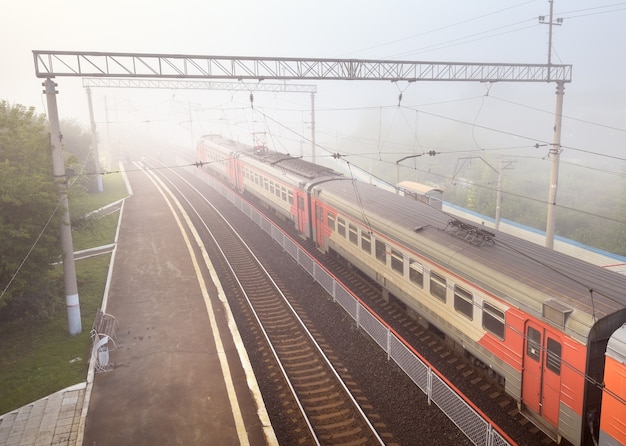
(34, 244)
(462, 22)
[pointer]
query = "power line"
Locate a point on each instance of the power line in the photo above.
(564, 116)
(31, 249)
(463, 40)
(593, 9)
(441, 28)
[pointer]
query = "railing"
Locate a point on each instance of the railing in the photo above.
(457, 407)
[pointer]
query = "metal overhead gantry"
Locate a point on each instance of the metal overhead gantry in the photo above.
(51, 64)
(133, 65)
(196, 84)
(199, 84)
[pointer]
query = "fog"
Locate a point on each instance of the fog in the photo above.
(366, 123)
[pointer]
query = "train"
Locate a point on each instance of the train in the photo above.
(550, 327)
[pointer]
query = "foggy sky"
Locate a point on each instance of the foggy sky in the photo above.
(355, 114)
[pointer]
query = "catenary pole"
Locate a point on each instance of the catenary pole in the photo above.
(94, 141)
(313, 127)
(69, 268)
(555, 152)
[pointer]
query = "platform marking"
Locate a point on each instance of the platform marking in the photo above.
(232, 396)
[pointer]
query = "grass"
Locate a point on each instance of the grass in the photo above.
(98, 235)
(41, 358)
(114, 189)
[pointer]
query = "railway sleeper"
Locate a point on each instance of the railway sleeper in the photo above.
(344, 413)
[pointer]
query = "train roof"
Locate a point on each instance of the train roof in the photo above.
(418, 187)
(224, 143)
(616, 348)
(567, 284)
(295, 165)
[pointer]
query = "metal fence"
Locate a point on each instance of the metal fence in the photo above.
(479, 430)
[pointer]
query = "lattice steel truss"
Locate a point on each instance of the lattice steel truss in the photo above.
(196, 84)
(131, 65)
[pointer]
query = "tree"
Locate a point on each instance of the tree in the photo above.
(77, 142)
(28, 218)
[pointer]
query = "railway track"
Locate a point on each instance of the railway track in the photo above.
(469, 377)
(318, 406)
(485, 392)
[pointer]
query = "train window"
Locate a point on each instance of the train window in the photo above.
(283, 194)
(353, 234)
(553, 361)
(330, 221)
(464, 302)
(381, 251)
(438, 286)
(341, 226)
(290, 197)
(416, 273)
(493, 320)
(256, 178)
(533, 343)
(366, 242)
(265, 183)
(272, 187)
(397, 261)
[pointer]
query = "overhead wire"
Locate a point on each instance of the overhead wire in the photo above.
(31, 249)
(568, 16)
(462, 22)
(571, 118)
(539, 141)
(465, 40)
(331, 153)
(482, 103)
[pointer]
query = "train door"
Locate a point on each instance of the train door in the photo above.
(541, 379)
(301, 212)
(319, 225)
(235, 172)
(233, 175)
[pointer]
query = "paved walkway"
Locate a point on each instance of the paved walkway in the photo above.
(53, 420)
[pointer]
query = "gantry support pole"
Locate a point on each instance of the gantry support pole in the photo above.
(498, 197)
(313, 127)
(69, 269)
(94, 141)
(555, 153)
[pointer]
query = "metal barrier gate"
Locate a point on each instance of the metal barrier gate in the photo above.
(457, 408)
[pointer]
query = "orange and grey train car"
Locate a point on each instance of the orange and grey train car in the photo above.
(613, 421)
(536, 319)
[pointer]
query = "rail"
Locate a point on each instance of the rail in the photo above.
(473, 423)
(302, 362)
